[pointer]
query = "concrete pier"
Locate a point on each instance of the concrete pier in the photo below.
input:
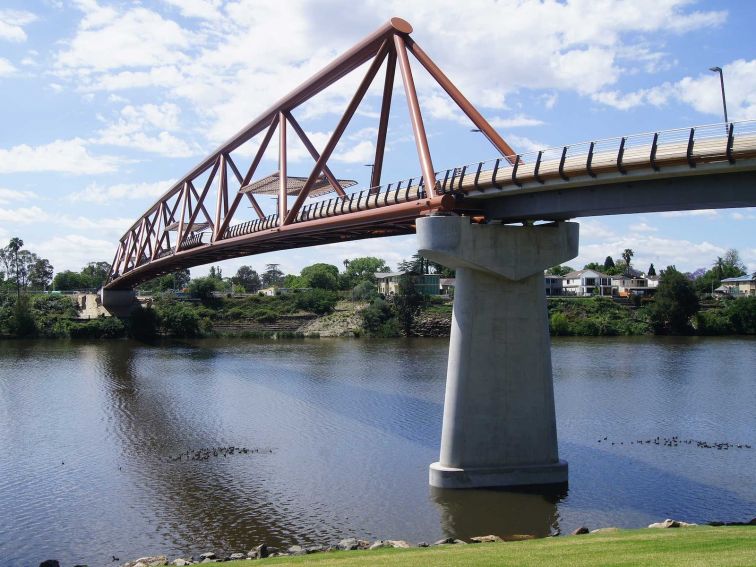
(118, 302)
(499, 425)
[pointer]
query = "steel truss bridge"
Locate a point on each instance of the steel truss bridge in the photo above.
(197, 221)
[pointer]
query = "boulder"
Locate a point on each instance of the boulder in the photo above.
(580, 531)
(399, 543)
(605, 530)
(50, 563)
(423, 544)
(670, 524)
(315, 549)
(260, 552)
(378, 544)
(154, 561)
(348, 544)
(486, 539)
(208, 555)
(296, 550)
(237, 556)
(449, 541)
(181, 562)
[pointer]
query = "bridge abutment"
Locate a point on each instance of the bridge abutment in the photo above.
(118, 302)
(499, 425)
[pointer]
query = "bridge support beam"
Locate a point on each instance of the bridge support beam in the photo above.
(499, 425)
(118, 302)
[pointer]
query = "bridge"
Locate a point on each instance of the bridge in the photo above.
(499, 223)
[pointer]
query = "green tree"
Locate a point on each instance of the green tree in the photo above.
(407, 302)
(272, 276)
(674, 304)
(595, 266)
(321, 276)
(94, 274)
(651, 270)
(627, 255)
(363, 269)
(68, 281)
(203, 288)
(179, 319)
(41, 274)
(379, 319)
(320, 301)
(247, 278)
(216, 273)
(742, 313)
(608, 263)
(560, 270)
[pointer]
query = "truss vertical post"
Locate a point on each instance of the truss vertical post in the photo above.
(418, 128)
(282, 176)
(380, 145)
(222, 188)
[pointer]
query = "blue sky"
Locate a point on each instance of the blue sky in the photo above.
(106, 103)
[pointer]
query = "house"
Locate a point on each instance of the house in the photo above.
(587, 282)
(554, 284)
(447, 286)
(742, 286)
(427, 284)
(633, 284)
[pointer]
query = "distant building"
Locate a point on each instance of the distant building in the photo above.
(427, 284)
(554, 284)
(587, 282)
(630, 284)
(742, 286)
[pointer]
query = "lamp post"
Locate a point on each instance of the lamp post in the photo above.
(721, 82)
(372, 173)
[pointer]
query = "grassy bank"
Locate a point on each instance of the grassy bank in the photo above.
(686, 547)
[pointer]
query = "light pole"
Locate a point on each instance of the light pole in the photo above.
(372, 172)
(721, 82)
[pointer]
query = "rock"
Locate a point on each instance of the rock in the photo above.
(486, 539)
(399, 544)
(50, 563)
(154, 561)
(260, 552)
(423, 544)
(605, 530)
(208, 555)
(348, 544)
(580, 531)
(296, 550)
(518, 537)
(181, 562)
(670, 524)
(315, 548)
(449, 541)
(237, 556)
(378, 544)
(209, 560)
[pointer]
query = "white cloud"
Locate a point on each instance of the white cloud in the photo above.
(23, 215)
(643, 227)
(744, 214)
(202, 9)
(6, 67)
(702, 93)
(148, 128)
(72, 251)
(99, 194)
(710, 213)
(64, 156)
(8, 195)
(107, 39)
(12, 24)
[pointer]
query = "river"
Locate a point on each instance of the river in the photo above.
(339, 434)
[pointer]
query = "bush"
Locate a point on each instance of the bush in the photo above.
(179, 320)
(101, 328)
(714, 322)
(379, 320)
(319, 301)
(559, 325)
(143, 324)
(742, 314)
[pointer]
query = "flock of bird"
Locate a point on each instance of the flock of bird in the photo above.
(205, 453)
(675, 441)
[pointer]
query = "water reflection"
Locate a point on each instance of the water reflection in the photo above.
(470, 513)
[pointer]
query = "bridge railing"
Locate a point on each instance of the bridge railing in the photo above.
(678, 147)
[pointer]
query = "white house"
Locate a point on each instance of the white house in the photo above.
(554, 284)
(627, 285)
(741, 286)
(587, 282)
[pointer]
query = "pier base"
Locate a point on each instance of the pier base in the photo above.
(118, 302)
(499, 425)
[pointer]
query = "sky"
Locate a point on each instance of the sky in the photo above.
(105, 104)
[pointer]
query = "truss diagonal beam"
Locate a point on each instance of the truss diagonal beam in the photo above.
(380, 145)
(336, 136)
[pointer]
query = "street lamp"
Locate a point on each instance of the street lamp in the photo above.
(721, 82)
(372, 172)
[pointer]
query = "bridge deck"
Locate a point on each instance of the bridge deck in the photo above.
(392, 209)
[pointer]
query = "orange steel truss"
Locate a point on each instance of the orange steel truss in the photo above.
(148, 249)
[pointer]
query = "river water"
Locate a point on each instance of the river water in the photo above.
(339, 435)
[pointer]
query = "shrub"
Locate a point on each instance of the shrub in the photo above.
(714, 322)
(143, 324)
(559, 325)
(319, 301)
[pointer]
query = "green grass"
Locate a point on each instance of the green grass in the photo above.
(688, 547)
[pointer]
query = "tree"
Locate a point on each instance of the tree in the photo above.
(363, 269)
(247, 278)
(407, 302)
(41, 274)
(560, 270)
(11, 253)
(94, 274)
(321, 276)
(651, 270)
(272, 276)
(674, 304)
(203, 288)
(68, 281)
(608, 263)
(627, 255)
(595, 266)
(216, 273)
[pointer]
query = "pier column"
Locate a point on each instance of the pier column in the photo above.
(499, 426)
(118, 302)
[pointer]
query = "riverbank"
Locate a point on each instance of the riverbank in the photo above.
(695, 545)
